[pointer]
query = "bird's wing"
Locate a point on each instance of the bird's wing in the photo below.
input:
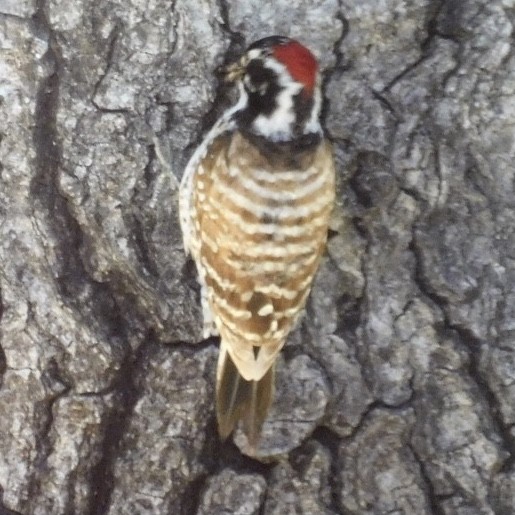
(210, 143)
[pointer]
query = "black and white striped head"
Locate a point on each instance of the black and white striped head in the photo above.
(279, 85)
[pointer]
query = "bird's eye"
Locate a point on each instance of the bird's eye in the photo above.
(262, 88)
(257, 78)
(255, 86)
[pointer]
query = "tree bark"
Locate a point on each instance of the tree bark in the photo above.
(396, 394)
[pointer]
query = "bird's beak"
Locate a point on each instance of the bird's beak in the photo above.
(233, 72)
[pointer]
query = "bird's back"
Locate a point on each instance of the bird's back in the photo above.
(258, 230)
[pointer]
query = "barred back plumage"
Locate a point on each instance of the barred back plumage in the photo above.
(261, 231)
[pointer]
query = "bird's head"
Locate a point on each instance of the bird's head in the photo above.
(279, 85)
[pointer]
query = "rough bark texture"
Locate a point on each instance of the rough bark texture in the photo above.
(397, 392)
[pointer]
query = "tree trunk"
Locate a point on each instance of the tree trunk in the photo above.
(396, 394)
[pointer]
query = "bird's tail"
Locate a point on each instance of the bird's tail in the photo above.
(239, 399)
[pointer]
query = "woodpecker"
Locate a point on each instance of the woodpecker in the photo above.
(254, 203)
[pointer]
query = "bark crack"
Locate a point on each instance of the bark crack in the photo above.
(141, 244)
(43, 422)
(73, 281)
(49, 202)
(111, 48)
(425, 46)
(217, 456)
(338, 66)
(432, 497)
(331, 442)
(3, 509)
(3, 360)
(126, 395)
(472, 345)
(237, 40)
(222, 96)
(13, 17)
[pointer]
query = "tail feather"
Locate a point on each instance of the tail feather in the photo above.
(238, 399)
(261, 396)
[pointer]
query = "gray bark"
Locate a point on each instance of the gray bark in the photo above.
(397, 392)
